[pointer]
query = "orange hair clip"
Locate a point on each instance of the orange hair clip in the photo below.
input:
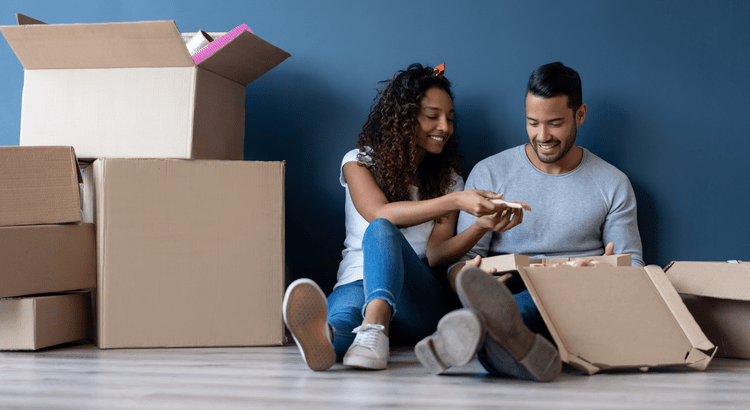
(439, 70)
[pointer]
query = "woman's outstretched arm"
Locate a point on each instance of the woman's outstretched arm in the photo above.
(372, 203)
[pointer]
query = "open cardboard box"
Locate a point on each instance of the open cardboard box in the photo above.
(190, 253)
(36, 322)
(718, 296)
(605, 317)
(509, 262)
(39, 185)
(132, 89)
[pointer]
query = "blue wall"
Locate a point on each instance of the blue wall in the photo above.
(667, 84)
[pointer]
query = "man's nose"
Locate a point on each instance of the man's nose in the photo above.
(543, 133)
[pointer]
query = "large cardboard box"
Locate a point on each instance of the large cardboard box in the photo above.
(132, 89)
(509, 262)
(605, 317)
(32, 323)
(47, 258)
(190, 253)
(39, 185)
(718, 296)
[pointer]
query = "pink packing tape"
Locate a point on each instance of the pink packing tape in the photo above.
(215, 45)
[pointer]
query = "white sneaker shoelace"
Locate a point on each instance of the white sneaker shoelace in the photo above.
(368, 336)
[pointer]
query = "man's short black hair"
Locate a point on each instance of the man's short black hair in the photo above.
(554, 79)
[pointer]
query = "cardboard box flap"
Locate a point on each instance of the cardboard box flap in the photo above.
(504, 263)
(624, 259)
(701, 356)
(581, 363)
(244, 58)
(508, 263)
(697, 359)
(110, 45)
(675, 304)
(724, 280)
(23, 20)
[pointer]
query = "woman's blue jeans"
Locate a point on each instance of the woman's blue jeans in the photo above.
(394, 273)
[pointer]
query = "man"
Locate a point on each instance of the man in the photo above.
(580, 203)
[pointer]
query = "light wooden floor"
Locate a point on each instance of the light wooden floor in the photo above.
(80, 376)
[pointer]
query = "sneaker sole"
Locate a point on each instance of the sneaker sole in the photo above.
(305, 309)
(365, 363)
(531, 355)
(458, 336)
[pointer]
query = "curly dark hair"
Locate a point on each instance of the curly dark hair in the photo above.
(389, 138)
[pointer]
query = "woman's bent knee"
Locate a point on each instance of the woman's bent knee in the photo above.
(380, 228)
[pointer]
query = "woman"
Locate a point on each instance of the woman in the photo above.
(403, 194)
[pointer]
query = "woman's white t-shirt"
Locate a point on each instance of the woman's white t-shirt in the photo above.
(351, 266)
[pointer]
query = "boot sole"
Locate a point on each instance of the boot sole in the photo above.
(458, 336)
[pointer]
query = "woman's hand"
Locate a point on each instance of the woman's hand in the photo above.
(477, 202)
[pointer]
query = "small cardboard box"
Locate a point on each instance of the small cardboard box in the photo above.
(718, 296)
(47, 258)
(190, 253)
(132, 89)
(509, 262)
(39, 185)
(36, 322)
(605, 317)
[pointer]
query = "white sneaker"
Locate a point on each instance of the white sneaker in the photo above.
(370, 348)
(305, 309)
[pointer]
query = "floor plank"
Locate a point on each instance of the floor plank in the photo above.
(80, 376)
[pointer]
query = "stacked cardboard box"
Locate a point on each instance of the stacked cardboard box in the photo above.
(611, 315)
(190, 238)
(45, 252)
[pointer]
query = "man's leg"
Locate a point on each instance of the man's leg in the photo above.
(509, 347)
(530, 314)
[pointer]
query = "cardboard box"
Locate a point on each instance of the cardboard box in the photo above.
(39, 185)
(606, 317)
(190, 253)
(509, 262)
(132, 89)
(46, 258)
(32, 323)
(718, 296)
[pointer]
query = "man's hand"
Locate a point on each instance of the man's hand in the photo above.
(501, 221)
(609, 249)
(474, 263)
(492, 271)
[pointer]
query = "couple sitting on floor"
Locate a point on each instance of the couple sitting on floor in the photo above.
(408, 213)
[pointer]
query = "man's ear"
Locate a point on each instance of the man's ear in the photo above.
(581, 114)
